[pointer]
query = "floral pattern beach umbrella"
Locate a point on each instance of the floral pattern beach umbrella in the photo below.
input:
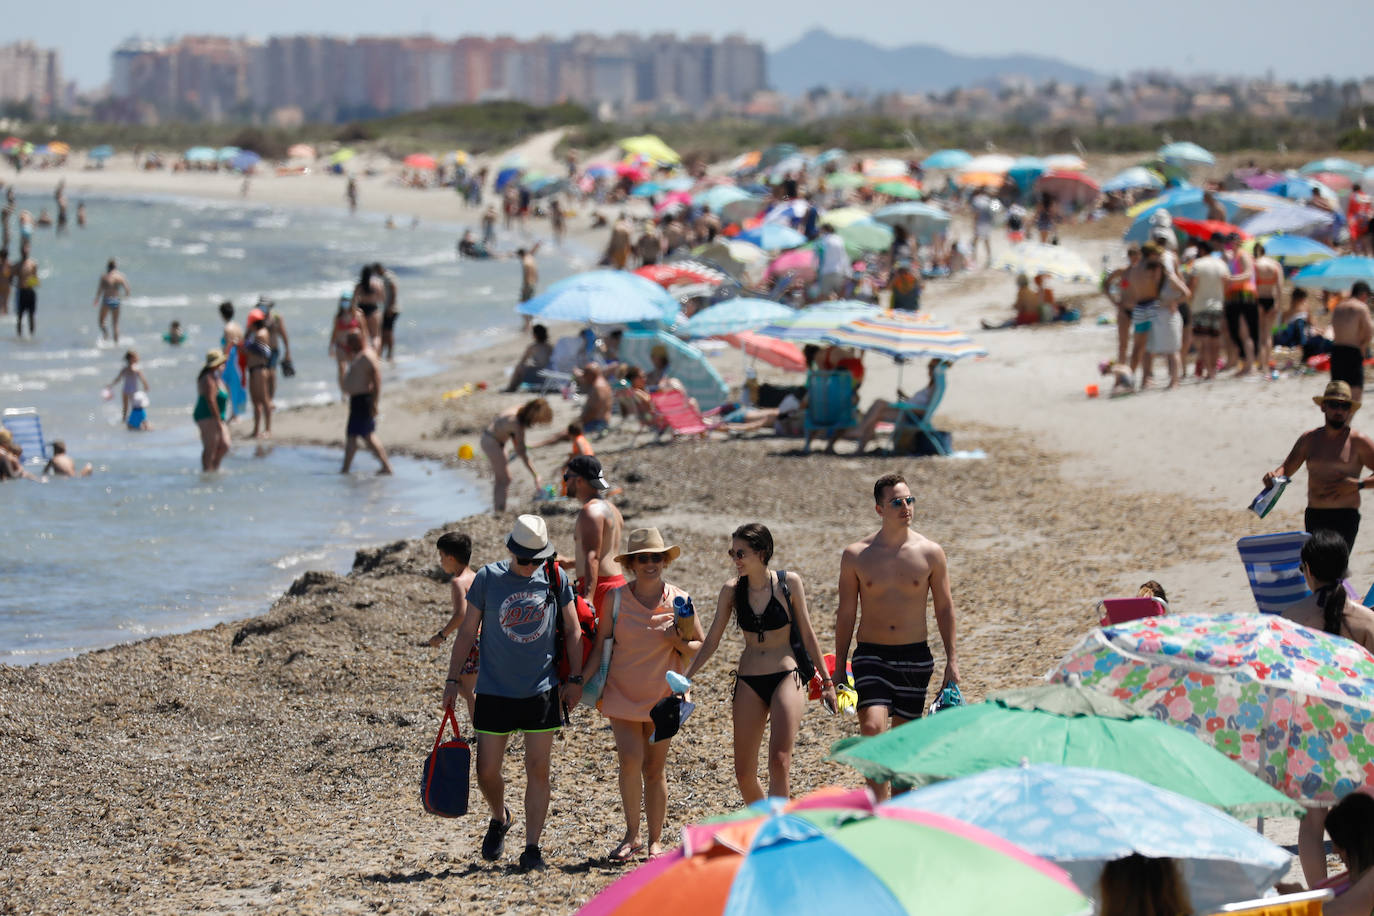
(1291, 704)
(833, 852)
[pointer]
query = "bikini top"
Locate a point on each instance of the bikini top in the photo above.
(774, 616)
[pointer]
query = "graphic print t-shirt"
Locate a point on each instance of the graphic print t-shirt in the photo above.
(518, 621)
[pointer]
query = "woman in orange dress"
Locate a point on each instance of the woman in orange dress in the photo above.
(647, 646)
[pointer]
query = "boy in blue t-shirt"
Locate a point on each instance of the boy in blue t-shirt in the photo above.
(517, 680)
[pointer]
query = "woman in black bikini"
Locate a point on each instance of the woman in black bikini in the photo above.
(767, 684)
(258, 348)
(368, 296)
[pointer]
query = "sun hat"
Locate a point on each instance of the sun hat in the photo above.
(1335, 391)
(529, 539)
(214, 359)
(648, 540)
(589, 469)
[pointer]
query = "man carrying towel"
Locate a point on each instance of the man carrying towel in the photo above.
(517, 682)
(1335, 455)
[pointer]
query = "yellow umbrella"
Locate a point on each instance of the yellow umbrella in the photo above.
(844, 216)
(58, 148)
(651, 147)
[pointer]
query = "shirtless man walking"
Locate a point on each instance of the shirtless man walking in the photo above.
(596, 532)
(108, 290)
(1335, 454)
(890, 574)
(1351, 331)
(362, 382)
(26, 276)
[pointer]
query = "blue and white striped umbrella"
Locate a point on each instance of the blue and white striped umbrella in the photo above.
(734, 316)
(603, 297)
(1082, 818)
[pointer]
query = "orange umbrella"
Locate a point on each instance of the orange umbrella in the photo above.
(980, 179)
(774, 352)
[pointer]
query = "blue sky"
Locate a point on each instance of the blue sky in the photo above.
(1107, 35)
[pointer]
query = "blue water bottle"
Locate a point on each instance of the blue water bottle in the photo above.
(684, 616)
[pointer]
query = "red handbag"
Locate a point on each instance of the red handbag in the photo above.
(444, 782)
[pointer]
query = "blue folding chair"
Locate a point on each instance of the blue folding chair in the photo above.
(1271, 563)
(27, 429)
(921, 417)
(830, 405)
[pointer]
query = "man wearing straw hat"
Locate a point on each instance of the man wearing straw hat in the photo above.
(1335, 455)
(517, 683)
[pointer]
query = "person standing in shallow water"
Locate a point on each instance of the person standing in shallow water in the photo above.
(362, 382)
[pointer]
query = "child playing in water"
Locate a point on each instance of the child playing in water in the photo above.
(131, 377)
(455, 554)
(175, 334)
(61, 464)
(138, 417)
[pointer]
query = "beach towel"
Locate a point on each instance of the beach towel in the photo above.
(444, 780)
(1271, 563)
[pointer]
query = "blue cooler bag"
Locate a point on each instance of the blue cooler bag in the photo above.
(444, 782)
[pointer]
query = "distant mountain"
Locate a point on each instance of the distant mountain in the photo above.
(819, 58)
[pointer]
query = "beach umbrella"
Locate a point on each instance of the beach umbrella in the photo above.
(922, 221)
(1025, 169)
(300, 151)
(245, 160)
(831, 155)
(865, 235)
(632, 171)
(801, 262)
(833, 850)
(1185, 155)
(744, 162)
(39, 150)
(1340, 184)
(736, 258)
(675, 200)
(600, 169)
(734, 316)
(1065, 162)
(904, 337)
(200, 154)
(1034, 258)
(548, 185)
(602, 297)
(809, 325)
(1291, 703)
(680, 183)
(716, 198)
(11, 143)
(688, 364)
(1081, 819)
(844, 181)
(885, 168)
(58, 148)
(1290, 218)
(1300, 187)
(791, 165)
(652, 148)
(1134, 177)
(945, 160)
(1336, 275)
(1206, 228)
(777, 353)
(993, 163)
(980, 179)
(1074, 187)
(101, 153)
(339, 157)
(647, 189)
(687, 270)
(898, 189)
(227, 153)
(1248, 202)
(505, 177)
(773, 237)
(1350, 171)
(1296, 250)
(843, 216)
(742, 208)
(1071, 726)
(420, 161)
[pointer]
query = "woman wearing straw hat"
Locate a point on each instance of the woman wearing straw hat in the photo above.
(214, 431)
(768, 685)
(642, 628)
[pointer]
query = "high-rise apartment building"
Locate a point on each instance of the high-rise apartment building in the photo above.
(324, 78)
(31, 75)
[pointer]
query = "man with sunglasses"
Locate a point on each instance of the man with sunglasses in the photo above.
(890, 574)
(1335, 455)
(517, 684)
(596, 531)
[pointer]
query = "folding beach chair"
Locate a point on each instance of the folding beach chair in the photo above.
(674, 411)
(1123, 610)
(1304, 903)
(920, 418)
(1271, 562)
(829, 404)
(27, 429)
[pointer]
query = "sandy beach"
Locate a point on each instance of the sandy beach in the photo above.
(274, 762)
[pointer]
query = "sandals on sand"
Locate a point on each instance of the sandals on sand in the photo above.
(626, 852)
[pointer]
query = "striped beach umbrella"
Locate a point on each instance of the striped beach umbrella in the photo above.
(904, 337)
(810, 325)
(734, 316)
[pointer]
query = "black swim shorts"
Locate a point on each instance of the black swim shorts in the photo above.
(893, 676)
(1347, 365)
(502, 715)
(360, 419)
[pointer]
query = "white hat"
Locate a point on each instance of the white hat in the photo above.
(140, 399)
(529, 539)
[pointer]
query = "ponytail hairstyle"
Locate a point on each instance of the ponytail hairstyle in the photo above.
(1326, 556)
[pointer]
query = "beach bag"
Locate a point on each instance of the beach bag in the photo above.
(586, 620)
(444, 780)
(593, 685)
(805, 667)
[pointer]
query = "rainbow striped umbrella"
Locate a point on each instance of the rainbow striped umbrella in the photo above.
(904, 337)
(835, 851)
(810, 325)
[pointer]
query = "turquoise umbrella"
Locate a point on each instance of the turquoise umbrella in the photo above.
(946, 160)
(1352, 170)
(227, 153)
(602, 297)
(686, 363)
(1081, 819)
(1336, 275)
(1186, 154)
(102, 152)
(810, 325)
(200, 154)
(734, 316)
(721, 195)
(1296, 250)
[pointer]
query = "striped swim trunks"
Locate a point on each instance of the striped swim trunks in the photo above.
(893, 676)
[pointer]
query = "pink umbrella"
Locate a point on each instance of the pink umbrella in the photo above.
(675, 199)
(419, 161)
(780, 353)
(1333, 180)
(631, 171)
(1068, 186)
(800, 261)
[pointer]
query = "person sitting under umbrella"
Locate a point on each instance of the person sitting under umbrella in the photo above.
(1351, 827)
(1143, 886)
(881, 411)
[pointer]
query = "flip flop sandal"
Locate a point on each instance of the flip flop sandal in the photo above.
(626, 852)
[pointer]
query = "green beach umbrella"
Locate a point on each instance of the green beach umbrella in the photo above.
(341, 156)
(1070, 726)
(898, 189)
(844, 181)
(865, 235)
